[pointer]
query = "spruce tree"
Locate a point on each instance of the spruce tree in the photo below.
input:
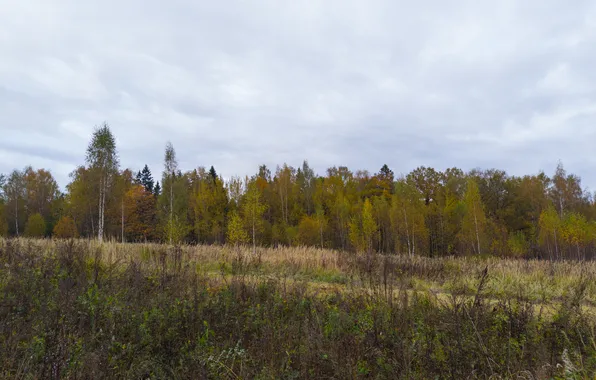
(147, 179)
(213, 174)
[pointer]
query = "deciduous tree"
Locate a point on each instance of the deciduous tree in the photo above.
(474, 221)
(253, 210)
(14, 191)
(236, 233)
(102, 159)
(139, 214)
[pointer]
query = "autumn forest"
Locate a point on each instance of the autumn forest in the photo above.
(425, 212)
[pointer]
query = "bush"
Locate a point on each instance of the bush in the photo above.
(65, 228)
(36, 226)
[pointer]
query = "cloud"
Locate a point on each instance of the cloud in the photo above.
(237, 84)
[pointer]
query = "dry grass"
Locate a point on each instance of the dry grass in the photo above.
(536, 281)
(68, 308)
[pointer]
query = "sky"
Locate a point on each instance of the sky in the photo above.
(236, 84)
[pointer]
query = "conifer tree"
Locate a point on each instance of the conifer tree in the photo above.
(146, 179)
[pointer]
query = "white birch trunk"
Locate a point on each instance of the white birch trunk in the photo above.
(477, 232)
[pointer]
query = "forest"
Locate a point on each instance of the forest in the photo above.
(424, 212)
(294, 275)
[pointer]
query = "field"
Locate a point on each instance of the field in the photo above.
(80, 309)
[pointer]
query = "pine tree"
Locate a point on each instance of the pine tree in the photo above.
(157, 190)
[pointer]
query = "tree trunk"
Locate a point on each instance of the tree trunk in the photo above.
(477, 232)
(171, 205)
(321, 232)
(556, 245)
(122, 220)
(254, 242)
(16, 214)
(410, 251)
(101, 206)
(91, 219)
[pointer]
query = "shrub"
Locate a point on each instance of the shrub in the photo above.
(65, 228)
(36, 226)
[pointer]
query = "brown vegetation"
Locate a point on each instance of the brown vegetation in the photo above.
(80, 309)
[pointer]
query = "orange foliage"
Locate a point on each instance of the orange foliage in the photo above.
(139, 214)
(65, 228)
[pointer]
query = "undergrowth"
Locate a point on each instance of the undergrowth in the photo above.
(70, 314)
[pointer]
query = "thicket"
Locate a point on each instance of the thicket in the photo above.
(67, 313)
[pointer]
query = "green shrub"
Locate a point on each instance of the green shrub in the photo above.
(36, 226)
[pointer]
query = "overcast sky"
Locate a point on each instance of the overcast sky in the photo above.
(235, 84)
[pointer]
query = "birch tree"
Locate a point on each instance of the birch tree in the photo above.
(407, 219)
(102, 159)
(474, 221)
(253, 210)
(169, 174)
(550, 232)
(14, 190)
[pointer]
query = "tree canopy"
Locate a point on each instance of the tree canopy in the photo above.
(423, 212)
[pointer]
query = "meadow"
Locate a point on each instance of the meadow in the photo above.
(78, 309)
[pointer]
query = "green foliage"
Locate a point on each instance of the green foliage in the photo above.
(175, 231)
(309, 231)
(518, 245)
(550, 231)
(426, 212)
(407, 220)
(474, 221)
(252, 211)
(36, 226)
(363, 229)
(101, 152)
(236, 232)
(145, 178)
(102, 160)
(369, 225)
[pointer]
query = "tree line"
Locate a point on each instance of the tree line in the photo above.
(426, 212)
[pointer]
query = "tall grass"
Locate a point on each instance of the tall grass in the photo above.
(79, 309)
(536, 280)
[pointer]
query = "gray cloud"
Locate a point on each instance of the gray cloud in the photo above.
(236, 84)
